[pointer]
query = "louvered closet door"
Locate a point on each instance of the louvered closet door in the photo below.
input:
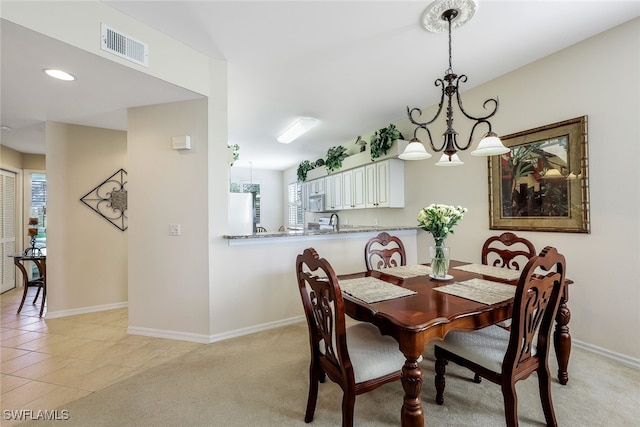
(7, 229)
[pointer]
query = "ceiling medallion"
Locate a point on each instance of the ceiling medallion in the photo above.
(432, 16)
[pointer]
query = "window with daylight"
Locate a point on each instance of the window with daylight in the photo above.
(248, 187)
(295, 213)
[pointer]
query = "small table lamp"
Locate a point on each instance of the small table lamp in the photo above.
(32, 232)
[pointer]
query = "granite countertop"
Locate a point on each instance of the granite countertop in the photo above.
(345, 229)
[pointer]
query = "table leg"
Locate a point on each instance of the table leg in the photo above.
(562, 340)
(412, 414)
(25, 281)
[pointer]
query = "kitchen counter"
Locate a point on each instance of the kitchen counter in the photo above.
(345, 229)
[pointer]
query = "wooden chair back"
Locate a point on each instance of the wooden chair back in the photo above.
(507, 250)
(536, 302)
(376, 359)
(324, 310)
(384, 251)
(534, 310)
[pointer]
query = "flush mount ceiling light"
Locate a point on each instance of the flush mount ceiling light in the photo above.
(59, 74)
(297, 128)
(443, 15)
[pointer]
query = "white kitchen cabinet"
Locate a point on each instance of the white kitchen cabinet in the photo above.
(353, 188)
(384, 183)
(316, 186)
(304, 196)
(333, 192)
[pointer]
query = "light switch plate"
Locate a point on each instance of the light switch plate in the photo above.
(174, 229)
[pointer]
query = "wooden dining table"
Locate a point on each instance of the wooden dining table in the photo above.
(428, 315)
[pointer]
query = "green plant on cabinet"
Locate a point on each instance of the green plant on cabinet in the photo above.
(234, 153)
(303, 168)
(382, 140)
(335, 156)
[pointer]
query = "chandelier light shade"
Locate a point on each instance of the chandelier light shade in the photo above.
(443, 15)
(490, 145)
(449, 160)
(415, 151)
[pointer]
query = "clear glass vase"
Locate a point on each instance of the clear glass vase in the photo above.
(439, 260)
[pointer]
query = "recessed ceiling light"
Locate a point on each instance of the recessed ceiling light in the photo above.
(297, 128)
(59, 74)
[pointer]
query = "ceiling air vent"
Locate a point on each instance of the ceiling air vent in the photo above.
(124, 46)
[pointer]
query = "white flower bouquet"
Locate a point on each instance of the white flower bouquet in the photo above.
(439, 220)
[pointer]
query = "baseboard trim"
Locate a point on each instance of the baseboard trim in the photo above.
(258, 328)
(627, 360)
(171, 335)
(208, 339)
(85, 310)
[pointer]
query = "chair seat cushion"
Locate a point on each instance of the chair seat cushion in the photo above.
(485, 347)
(372, 354)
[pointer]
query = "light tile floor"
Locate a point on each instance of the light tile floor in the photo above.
(47, 363)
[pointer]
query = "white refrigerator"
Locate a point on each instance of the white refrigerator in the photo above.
(242, 213)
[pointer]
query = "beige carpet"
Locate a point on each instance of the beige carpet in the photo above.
(262, 380)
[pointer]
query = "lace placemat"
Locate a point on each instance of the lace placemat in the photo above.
(407, 271)
(488, 270)
(370, 289)
(480, 290)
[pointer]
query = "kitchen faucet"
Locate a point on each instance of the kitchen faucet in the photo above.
(336, 223)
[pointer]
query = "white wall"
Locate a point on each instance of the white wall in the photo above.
(87, 255)
(259, 281)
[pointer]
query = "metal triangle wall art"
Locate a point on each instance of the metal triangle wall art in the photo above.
(109, 199)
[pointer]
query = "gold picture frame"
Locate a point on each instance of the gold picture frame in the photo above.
(542, 183)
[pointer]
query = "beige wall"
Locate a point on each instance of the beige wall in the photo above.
(87, 255)
(15, 159)
(168, 275)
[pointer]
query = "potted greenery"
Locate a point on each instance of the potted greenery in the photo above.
(382, 140)
(335, 156)
(304, 167)
(234, 153)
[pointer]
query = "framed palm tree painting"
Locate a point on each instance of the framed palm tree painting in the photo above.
(542, 183)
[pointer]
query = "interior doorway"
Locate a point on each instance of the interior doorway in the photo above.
(8, 183)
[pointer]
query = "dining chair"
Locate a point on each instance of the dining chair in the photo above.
(384, 251)
(358, 358)
(505, 357)
(507, 250)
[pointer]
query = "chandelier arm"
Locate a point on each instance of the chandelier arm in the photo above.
(424, 125)
(473, 129)
(496, 103)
